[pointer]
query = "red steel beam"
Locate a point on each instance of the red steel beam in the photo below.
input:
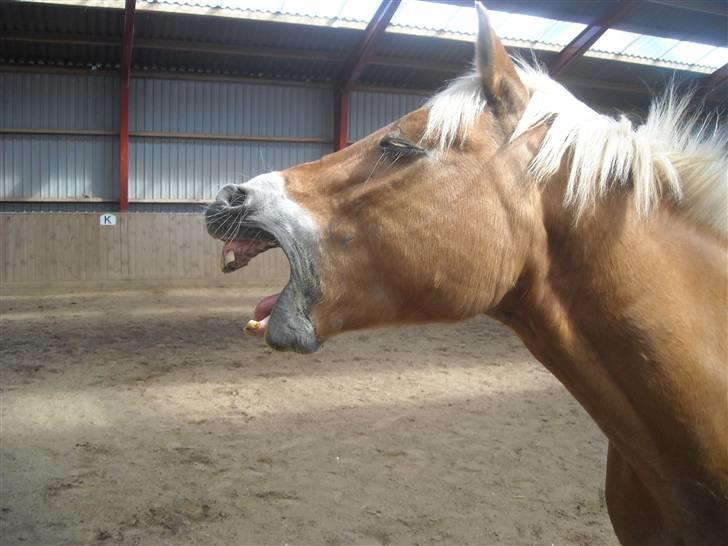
(341, 119)
(587, 37)
(360, 56)
(354, 66)
(126, 46)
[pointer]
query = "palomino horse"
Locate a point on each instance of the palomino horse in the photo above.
(602, 245)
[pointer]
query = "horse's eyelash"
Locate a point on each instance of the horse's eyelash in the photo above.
(397, 147)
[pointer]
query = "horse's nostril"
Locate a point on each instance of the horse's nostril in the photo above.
(232, 194)
(237, 198)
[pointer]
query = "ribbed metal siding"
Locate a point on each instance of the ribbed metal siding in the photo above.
(66, 167)
(58, 207)
(52, 101)
(96, 207)
(369, 110)
(152, 208)
(182, 106)
(58, 166)
(195, 169)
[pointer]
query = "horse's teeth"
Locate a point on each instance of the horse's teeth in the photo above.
(229, 257)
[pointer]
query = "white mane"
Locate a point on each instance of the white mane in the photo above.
(670, 156)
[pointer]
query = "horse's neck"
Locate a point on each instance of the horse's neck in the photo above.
(631, 317)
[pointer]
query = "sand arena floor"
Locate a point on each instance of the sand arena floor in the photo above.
(145, 417)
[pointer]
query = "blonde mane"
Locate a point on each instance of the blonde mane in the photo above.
(671, 156)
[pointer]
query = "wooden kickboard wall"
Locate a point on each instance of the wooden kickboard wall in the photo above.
(43, 249)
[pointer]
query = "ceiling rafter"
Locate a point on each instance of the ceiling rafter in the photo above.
(354, 66)
(358, 59)
(587, 37)
(709, 83)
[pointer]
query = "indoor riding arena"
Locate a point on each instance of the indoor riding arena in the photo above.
(135, 410)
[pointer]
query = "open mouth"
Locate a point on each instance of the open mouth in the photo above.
(251, 223)
(236, 254)
(282, 319)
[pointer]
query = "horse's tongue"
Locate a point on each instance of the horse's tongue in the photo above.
(262, 316)
(265, 306)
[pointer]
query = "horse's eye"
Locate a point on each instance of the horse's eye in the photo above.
(398, 147)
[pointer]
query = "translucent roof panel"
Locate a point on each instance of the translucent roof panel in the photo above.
(352, 10)
(412, 15)
(461, 22)
(358, 11)
(628, 46)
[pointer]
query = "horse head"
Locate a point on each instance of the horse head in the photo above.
(425, 220)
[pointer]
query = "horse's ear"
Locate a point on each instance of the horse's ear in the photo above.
(501, 83)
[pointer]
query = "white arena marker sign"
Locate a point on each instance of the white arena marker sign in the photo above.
(107, 220)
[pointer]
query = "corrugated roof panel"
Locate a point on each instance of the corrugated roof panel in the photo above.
(250, 33)
(457, 21)
(37, 17)
(694, 54)
(685, 20)
(677, 19)
(630, 46)
(624, 79)
(717, 57)
(650, 46)
(360, 11)
(314, 33)
(413, 14)
(350, 10)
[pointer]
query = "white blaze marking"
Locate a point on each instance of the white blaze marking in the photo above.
(268, 197)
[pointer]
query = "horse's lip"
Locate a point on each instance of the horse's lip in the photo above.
(289, 327)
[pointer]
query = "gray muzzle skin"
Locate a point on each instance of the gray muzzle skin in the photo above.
(259, 209)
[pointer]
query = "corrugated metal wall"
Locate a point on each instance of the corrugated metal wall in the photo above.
(54, 101)
(172, 167)
(195, 168)
(58, 166)
(372, 110)
(186, 135)
(203, 107)
(188, 139)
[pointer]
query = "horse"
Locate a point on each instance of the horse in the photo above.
(602, 244)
